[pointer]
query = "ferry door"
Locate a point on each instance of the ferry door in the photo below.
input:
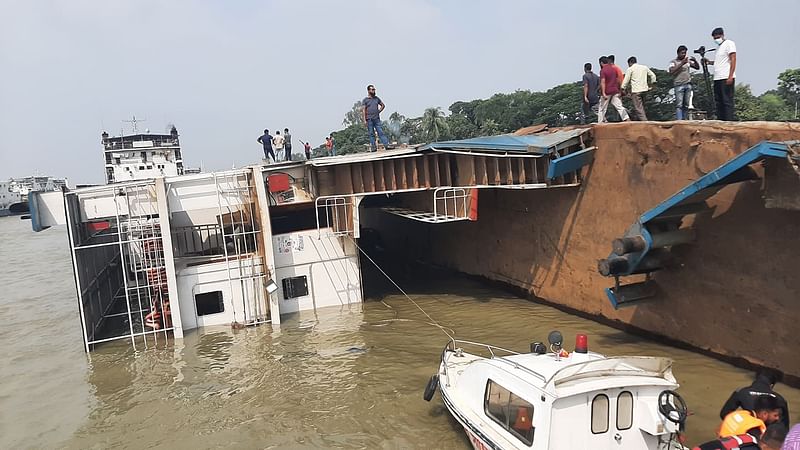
(611, 420)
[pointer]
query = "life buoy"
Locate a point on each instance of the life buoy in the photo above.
(430, 388)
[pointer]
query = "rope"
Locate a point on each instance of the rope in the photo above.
(432, 320)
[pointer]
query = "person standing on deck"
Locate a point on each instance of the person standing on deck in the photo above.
(287, 144)
(724, 75)
(620, 77)
(266, 141)
(638, 79)
(618, 69)
(680, 68)
(329, 146)
(372, 118)
(277, 142)
(609, 89)
(591, 90)
(307, 149)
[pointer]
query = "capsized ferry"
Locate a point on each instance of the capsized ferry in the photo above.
(558, 400)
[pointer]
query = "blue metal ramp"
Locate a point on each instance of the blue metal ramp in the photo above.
(645, 247)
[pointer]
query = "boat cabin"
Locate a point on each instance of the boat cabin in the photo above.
(561, 401)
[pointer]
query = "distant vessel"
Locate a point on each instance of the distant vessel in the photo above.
(142, 156)
(14, 192)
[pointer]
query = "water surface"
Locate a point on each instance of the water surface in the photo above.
(337, 378)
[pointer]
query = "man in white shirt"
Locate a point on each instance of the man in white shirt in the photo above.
(277, 144)
(724, 75)
(637, 81)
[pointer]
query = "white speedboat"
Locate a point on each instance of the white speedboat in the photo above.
(559, 400)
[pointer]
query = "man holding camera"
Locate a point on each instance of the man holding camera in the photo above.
(724, 75)
(679, 67)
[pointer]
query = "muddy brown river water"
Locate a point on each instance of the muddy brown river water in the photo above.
(349, 378)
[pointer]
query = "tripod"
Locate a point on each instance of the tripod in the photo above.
(710, 108)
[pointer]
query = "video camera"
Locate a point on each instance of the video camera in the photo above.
(702, 51)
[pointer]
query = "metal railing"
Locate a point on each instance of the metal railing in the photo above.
(338, 214)
(452, 203)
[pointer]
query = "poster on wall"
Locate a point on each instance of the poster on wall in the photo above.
(290, 244)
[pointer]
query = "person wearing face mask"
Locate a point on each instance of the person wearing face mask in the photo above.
(724, 74)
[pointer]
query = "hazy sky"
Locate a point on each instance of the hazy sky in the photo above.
(222, 71)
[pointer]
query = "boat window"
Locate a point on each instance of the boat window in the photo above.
(510, 411)
(209, 303)
(600, 414)
(624, 410)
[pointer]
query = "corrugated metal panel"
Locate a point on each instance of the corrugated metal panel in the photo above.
(538, 143)
(361, 157)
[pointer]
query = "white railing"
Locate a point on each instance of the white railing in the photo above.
(450, 204)
(338, 214)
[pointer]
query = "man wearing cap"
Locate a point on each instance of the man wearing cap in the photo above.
(724, 74)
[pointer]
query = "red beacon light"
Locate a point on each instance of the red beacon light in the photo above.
(581, 343)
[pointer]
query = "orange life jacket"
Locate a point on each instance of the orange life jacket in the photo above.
(523, 422)
(739, 422)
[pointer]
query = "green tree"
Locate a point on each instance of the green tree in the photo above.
(460, 127)
(558, 107)
(775, 108)
(789, 88)
(355, 116)
(352, 139)
(748, 107)
(433, 124)
(393, 127)
(490, 128)
(412, 129)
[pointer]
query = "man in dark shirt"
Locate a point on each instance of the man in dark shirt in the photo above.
(745, 398)
(287, 144)
(266, 141)
(591, 89)
(372, 118)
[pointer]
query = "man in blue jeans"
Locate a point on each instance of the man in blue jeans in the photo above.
(372, 118)
(679, 68)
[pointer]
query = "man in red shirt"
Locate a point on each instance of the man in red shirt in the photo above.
(620, 72)
(610, 91)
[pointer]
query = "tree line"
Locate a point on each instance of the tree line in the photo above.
(556, 107)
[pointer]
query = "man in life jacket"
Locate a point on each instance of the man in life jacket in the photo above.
(765, 412)
(745, 397)
(771, 440)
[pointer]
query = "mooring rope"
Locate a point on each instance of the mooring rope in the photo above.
(432, 320)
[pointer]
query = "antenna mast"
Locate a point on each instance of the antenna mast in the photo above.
(134, 123)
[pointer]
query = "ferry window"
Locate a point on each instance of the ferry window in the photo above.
(624, 410)
(600, 414)
(509, 411)
(209, 303)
